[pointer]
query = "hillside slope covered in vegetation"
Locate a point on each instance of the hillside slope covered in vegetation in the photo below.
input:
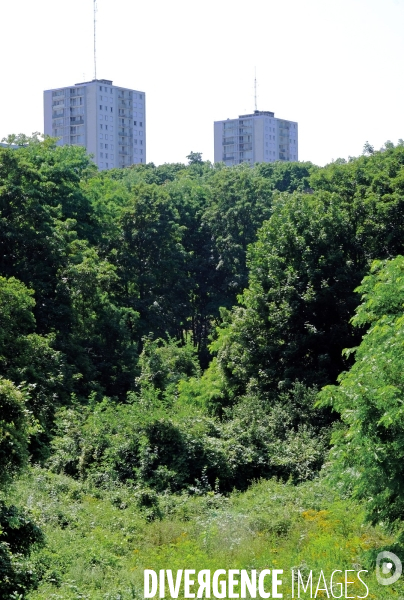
(171, 336)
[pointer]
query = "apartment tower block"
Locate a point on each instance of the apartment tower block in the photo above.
(109, 121)
(254, 138)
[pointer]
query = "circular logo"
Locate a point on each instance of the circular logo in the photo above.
(388, 568)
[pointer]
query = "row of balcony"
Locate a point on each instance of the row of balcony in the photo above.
(62, 103)
(60, 122)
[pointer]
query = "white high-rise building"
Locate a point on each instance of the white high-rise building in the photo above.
(109, 121)
(259, 137)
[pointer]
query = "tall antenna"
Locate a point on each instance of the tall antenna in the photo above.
(95, 37)
(255, 87)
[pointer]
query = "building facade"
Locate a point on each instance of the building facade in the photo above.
(259, 137)
(109, 121)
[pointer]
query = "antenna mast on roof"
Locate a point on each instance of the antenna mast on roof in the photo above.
(95, 56)
(255, 88)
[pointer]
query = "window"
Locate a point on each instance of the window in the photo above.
(106, 165)
(100, 106)
(110, 118)
(135, 141)
(111, 109)
(106, 146)
(140, 96)
(141, 151)
(106, 117)
(102, 154)
(101, 126)
(140, 123)
(100, 88)
(101, 135)
(101, 145)
(141, 142)
(135, 150)
(112, 146)
(112, 157)
(135, 122)
(106, 155)
(100, 117)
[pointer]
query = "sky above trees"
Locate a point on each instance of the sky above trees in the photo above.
(335, 67)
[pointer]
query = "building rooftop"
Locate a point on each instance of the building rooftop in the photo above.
(258, 113)
(105, 81)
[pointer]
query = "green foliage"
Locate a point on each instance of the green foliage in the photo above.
(133, 270)
(167, 444)
(294, 315)
(294, 318)
(100, 344)
(141, 442)
(150, 261)
(19, 537)
(194, 158)
(19, 353)
(39, 191)
(240, 202)
(368, 451)
(289, 439)
(100, 543)
(164, 363)
(207, 392)
(26, 357)
(286, 176)
(14, 430)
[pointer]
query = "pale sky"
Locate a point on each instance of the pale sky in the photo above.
(334, 66)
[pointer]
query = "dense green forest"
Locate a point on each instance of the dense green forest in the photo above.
(197, 363)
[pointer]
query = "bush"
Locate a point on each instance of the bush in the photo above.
(18, 537)
(14, 430)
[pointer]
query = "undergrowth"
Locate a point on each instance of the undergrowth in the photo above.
(98, 542)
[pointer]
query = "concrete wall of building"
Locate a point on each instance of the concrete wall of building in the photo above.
(91, 121)
(258, 140)
(47, 111)
(218, 141)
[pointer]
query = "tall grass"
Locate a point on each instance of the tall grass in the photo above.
(99, 542)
